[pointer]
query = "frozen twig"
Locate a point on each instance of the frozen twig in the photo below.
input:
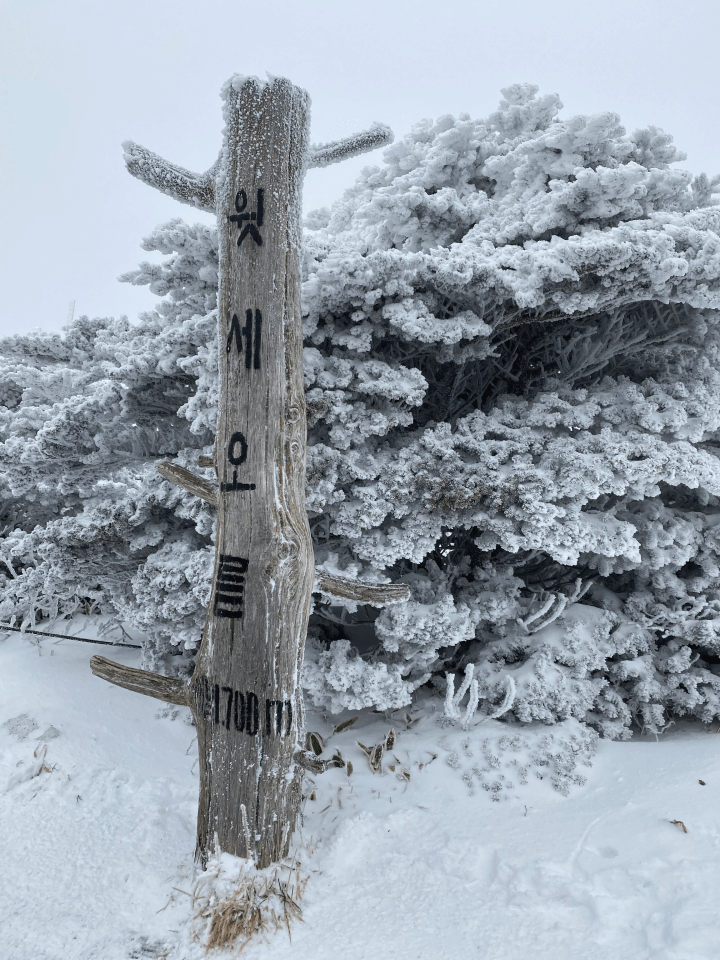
(323, 154)
(7, 563)
(197, 189)
(554, 606)
(472, 704)
(505, 705)
(452, 699)
(538, 613)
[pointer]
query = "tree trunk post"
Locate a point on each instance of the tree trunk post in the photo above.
(245, 686)
(245, 694)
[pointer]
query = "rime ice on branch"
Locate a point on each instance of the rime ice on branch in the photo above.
(323, 154)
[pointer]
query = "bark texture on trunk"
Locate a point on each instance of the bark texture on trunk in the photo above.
(245, 693)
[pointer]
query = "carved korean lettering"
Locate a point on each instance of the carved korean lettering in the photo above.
(237, 455)
(252, 220)
(236, 333)
(237, 449)
(230, 588)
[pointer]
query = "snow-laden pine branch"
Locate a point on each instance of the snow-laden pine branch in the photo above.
(512, 345)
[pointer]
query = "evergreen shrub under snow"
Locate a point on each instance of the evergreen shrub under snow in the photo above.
(512, 338)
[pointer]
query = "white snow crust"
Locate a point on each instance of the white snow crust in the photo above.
(427, 869)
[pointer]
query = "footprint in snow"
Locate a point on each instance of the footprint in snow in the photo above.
(608, 852)
(20, 727)
(49, 734)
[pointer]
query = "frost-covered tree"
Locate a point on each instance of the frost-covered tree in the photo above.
(512, 345)
(86, 416)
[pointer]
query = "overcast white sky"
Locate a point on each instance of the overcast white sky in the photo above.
(79, 76)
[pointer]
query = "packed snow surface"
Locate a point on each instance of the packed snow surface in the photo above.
(98, 792)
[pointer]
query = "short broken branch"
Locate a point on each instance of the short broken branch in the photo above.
(197, 189)
(323, 154)
(141, 681)
(376, 594)
(204, 489)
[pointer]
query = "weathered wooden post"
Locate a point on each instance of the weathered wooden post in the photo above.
(244, 692)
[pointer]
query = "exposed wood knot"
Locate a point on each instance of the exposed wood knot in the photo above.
(376, 594)
(154, 685)
(204, 489)
(287, 550)
(293, 415)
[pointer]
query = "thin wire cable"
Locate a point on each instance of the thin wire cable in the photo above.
(64, 636)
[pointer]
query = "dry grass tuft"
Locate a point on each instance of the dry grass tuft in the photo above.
(260, 904)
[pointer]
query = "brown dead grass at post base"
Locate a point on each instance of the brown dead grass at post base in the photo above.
(259, 906)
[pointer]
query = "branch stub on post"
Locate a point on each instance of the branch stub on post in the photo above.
(376, 594)
(244, 693)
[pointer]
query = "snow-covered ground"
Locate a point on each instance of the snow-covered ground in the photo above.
(98, 831)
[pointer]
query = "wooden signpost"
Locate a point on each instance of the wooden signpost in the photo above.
(245, 693)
